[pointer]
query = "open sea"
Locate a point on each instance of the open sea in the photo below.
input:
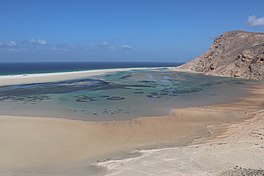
(50, 67)
(114, 96)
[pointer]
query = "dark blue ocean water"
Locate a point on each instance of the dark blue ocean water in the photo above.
(49, 67)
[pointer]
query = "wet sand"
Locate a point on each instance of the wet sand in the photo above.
(48, 146)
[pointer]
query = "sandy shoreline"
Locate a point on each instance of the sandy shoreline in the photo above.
(47, 146)
(60, 76)
(231, 149)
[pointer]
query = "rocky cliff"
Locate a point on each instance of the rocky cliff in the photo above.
(235, 54)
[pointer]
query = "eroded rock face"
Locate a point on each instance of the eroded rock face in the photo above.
(235, 54)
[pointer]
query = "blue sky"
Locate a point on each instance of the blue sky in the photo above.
(119, 30)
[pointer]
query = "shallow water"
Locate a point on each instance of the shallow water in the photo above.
(120, 95)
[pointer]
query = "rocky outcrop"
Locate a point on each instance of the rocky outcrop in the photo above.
(236, 54)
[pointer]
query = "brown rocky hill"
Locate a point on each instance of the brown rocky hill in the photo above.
(235, 54)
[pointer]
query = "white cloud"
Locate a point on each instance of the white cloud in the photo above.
(39, 45)
(110, 46)
(63, 47)
(58, 49)
(104, 44)
(38, 42)
(254, 21)
(8, 44)
(120, 48)
(126, 47)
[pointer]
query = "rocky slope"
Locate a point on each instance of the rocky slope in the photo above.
(234, 53)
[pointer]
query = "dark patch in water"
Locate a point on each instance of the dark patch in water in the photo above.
(25, 99)
(125, 76)
(207, 84)
(58, 87)
(140, 85)
(138, 92)
(104, 96)
(153, 96)
(176, 91)
(115, 98)
(84, 98)
(146, 81)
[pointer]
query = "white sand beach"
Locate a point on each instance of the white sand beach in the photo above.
(60, 76)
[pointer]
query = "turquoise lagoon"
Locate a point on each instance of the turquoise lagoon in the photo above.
(120, 95)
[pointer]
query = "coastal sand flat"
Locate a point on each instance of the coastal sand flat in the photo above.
(47, 146)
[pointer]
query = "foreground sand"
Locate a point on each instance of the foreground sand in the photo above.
(226, 135)
(238, 152)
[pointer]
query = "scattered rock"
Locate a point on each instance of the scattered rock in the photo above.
(238, 171)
